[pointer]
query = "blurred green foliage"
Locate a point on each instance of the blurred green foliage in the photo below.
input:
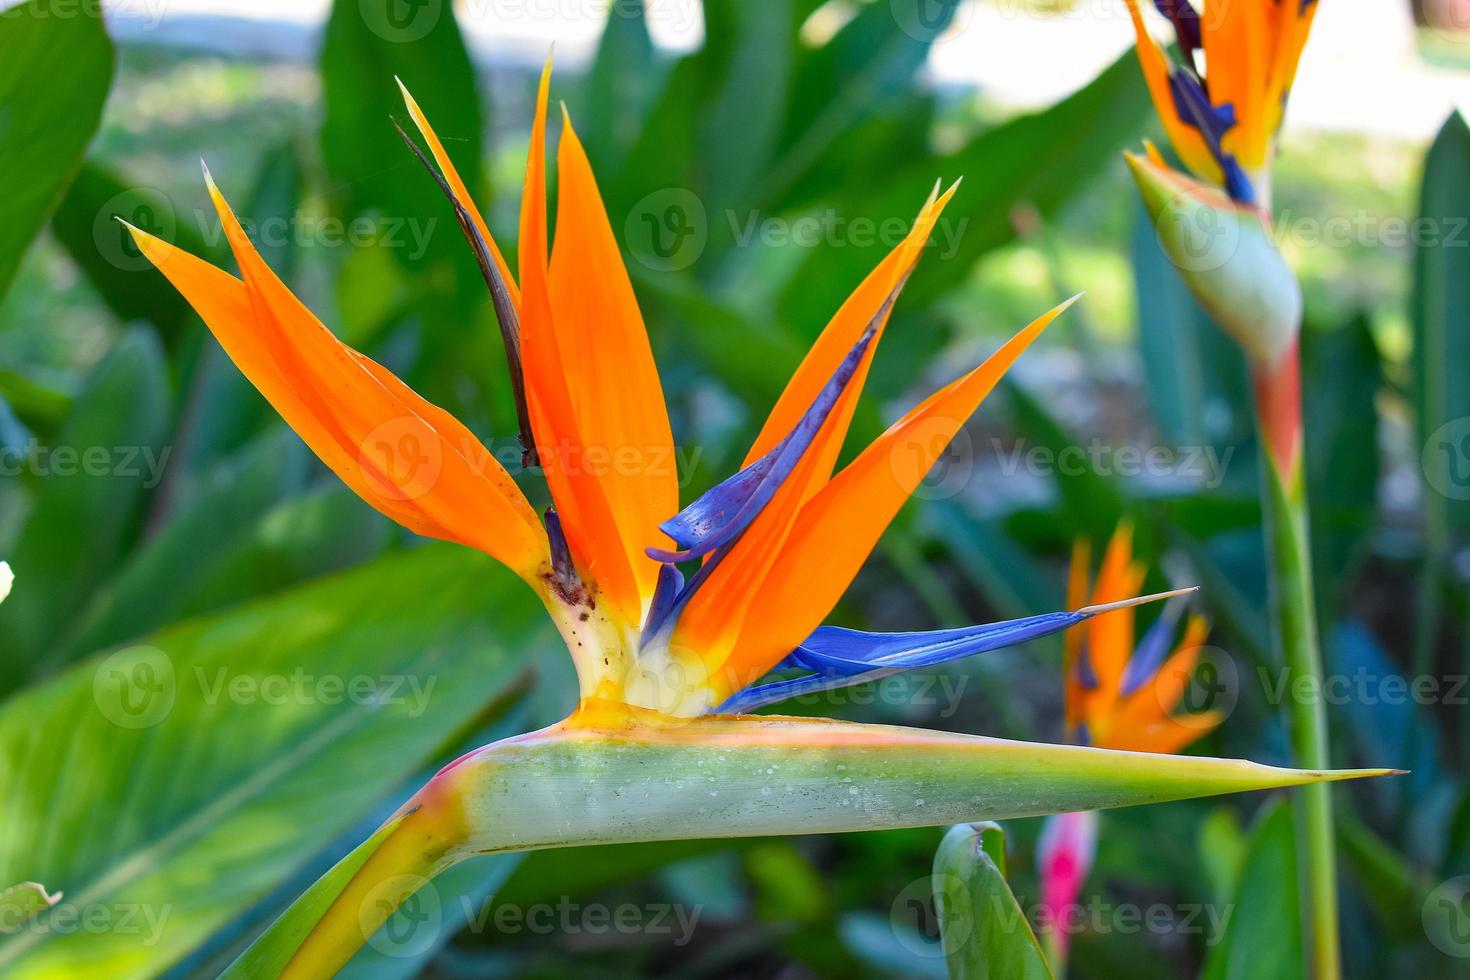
(209, 538)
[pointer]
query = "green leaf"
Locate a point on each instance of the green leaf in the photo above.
(91, 483)
(1393, 888)
(1441, 320)
(1222, 844)
(181, 780)
(982, 926)
(85, 226)
(158, 578)
(867, 66)
(38, 407)
(1091, 502)
(1341, 426)
(1263, 940)
(53, 81)
(317, 534)
(619, 89)
(1394, 728)
(749, 51)
(714, 126)
(1040, 159)
(367, 43)
(1002, 571)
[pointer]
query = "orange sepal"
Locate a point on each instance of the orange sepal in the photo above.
(1164, 736)
(708, 627)
(406, 457)
(1236, 38)
(576, 488)
(855, 315)
(1185, 139)
(1161, 695)
(838, 528)
(608, 368)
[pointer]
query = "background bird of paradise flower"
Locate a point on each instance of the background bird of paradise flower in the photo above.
(319, 663)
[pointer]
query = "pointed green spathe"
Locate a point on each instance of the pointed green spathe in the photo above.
(624, 778)
(1227, 254)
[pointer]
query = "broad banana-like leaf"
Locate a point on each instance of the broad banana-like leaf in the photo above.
(1263, 931)
(167, 787)
(612, 775)
(53, 81)
(981, 925)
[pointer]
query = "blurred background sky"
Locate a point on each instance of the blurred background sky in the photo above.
(1361, 73)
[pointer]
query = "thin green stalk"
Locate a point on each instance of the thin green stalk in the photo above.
(1294, 621)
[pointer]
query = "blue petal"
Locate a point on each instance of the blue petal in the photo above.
(1086, 675)
(775, 692)
(561, 554)
(1152, 652)
(840, 657)
(842, 652)
(1185, 18)
(665, 596)
(1213, 122)
(723, 513)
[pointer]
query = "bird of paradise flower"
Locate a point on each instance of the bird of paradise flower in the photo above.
(661, 745)
(1222, 108)
(1118, 696)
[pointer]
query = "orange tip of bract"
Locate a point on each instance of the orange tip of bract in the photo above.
(1152, 152)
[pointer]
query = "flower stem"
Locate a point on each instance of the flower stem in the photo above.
(1294, 621)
